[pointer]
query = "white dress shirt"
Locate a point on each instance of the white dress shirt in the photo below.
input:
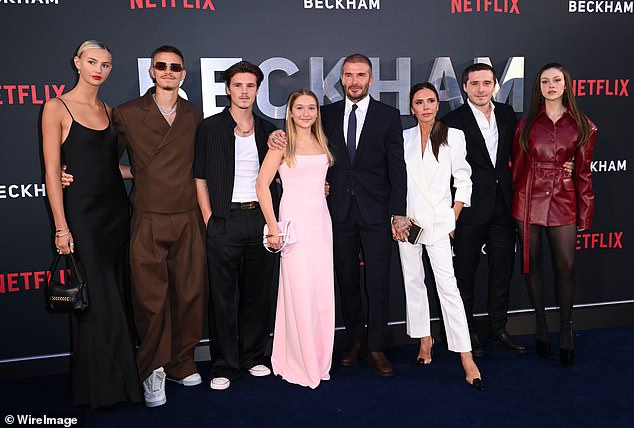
(489, 130)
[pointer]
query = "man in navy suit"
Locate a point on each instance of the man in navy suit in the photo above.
(488, 127)
(367, 201)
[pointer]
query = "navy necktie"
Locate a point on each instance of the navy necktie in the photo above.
(352, 132)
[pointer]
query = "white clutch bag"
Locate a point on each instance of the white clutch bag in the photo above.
(287, 233)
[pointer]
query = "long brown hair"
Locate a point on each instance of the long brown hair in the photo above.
(583, 127)
(316, 129)
(439, 130)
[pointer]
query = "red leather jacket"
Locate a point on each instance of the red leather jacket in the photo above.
(545, 194)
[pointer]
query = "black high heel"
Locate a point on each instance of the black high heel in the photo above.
(542, 348)
(541, 329)
(477, 384)
(421, 361)
(566, 357)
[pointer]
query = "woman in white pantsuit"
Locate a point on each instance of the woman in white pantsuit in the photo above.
(434, 154)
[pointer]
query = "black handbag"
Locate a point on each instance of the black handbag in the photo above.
(66, 297)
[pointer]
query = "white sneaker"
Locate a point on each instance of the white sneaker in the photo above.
(154, 388)
(191, 380)
(260, 370)
(219, 383)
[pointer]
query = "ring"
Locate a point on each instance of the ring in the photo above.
(71, 244)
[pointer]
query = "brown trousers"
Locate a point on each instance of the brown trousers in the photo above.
(169, 283)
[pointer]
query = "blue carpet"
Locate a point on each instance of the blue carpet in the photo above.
(520, 390)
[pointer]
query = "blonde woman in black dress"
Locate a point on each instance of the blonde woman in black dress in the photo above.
(92, 220)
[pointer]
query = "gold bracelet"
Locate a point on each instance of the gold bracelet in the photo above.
(62, 234)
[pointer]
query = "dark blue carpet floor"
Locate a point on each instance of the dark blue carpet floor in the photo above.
(520, 390)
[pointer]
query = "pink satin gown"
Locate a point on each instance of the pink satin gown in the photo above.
(305, 315)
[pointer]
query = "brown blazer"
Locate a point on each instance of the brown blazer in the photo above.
(161, 157)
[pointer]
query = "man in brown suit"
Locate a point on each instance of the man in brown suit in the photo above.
(167, 248)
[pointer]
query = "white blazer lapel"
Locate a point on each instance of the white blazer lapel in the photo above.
(414, 162)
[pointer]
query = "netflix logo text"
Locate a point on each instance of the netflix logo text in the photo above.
(24, 281)
(601, 87)
(485, 6)
(172, 4)
(602, 240)
(28, 93)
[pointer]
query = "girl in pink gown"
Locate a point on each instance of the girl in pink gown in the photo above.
(305, 315)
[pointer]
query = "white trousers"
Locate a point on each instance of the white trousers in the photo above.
(417, 303)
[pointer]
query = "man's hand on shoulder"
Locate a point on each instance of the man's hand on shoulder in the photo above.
(277, 140)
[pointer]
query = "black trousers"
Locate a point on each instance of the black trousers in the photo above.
(499, 235)
(349, 238)
(240, 278)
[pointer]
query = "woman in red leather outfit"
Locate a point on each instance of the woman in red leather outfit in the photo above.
(549, 199)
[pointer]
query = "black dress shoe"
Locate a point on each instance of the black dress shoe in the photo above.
(476, 347)
(504, 340)
(542, 348)
(566, 357)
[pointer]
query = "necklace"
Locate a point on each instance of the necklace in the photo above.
(244, 133)
(163, 111)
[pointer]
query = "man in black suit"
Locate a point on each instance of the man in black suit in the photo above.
(488, 127)
(368, 186)
(230, 147)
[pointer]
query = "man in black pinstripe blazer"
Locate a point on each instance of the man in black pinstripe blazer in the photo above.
(230, 147)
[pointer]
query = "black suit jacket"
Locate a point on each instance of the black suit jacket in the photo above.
(214, 158)
(377, 178)
(484, 175)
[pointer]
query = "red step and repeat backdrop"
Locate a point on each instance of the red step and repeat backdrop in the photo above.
(301, 43)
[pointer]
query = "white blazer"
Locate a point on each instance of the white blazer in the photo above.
(429, 200)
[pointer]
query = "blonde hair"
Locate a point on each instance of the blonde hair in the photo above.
(91, 44)
(316, 129)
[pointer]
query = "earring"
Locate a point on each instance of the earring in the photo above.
(540, 99)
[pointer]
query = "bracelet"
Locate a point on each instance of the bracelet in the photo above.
(62, 234)
(61, 230)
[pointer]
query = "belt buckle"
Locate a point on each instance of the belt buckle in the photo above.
(247, 205)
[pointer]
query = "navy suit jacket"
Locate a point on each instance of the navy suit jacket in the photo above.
(377, 177)
(484, 175)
